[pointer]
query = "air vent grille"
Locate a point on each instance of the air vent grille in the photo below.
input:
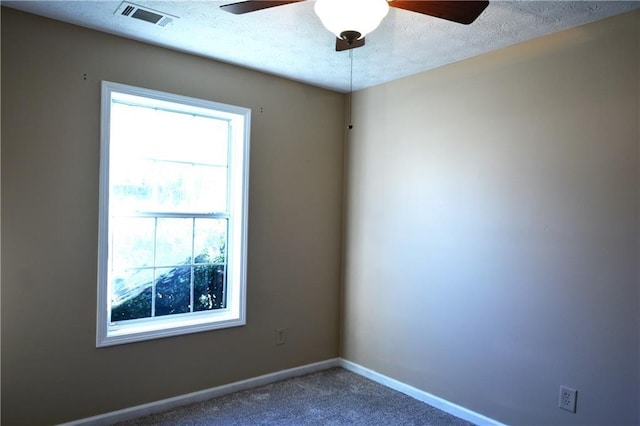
(127, 10)
(144, 14)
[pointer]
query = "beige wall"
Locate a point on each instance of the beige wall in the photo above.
(51, 370)
(492, 229)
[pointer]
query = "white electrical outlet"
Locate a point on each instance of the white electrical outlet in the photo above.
(281, 336)
(568, 398)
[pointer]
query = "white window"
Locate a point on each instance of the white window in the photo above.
(173, 215)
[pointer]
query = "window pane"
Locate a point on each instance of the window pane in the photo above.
(202, 140)
(132, 245)
(173, 241)
(173, 289)
(130, 284)
(210, 240)
(170, 186)
(209, 287)
(131, 295)
(182, 187)
(208, 189)
(131, 185)
(142, 132)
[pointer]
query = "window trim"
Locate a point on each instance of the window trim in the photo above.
(172, 325)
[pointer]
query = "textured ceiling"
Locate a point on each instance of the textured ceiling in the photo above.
(290, 41)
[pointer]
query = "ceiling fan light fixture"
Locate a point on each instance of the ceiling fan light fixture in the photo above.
(351, 16)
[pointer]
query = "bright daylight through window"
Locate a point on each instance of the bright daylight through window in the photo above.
(173, 215)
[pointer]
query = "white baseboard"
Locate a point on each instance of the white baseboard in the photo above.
(203, 395)
(420, 395)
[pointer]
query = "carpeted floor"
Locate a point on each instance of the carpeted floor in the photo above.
(333, 397)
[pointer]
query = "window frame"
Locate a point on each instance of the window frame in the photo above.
(234, 314)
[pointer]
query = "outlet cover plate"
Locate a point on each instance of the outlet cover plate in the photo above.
(568, 398)
(281, 336)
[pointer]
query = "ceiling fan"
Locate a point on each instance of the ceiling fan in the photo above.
(351, 20)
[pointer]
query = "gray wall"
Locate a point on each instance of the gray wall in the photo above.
(492, 229)
(51, 370)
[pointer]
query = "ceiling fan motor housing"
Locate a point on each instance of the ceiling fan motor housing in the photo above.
(350, 36)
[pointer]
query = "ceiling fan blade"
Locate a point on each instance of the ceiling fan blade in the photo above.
(344, 44)
(462, 12)
(251, 6)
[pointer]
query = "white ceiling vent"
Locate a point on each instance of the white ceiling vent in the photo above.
(146, 14)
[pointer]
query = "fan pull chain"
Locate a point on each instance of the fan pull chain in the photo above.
(350, 89)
